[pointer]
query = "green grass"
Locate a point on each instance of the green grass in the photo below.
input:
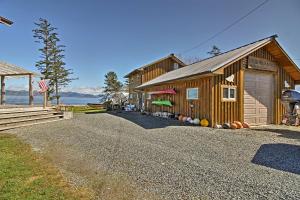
(86, 109)
(26, 175)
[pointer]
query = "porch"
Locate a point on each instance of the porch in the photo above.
(8, 71)
(15, 116)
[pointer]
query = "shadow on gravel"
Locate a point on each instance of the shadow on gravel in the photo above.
(146, 121)
(286, 133)
(284, 157)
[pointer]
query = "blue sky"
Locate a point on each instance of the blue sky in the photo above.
(121, 35)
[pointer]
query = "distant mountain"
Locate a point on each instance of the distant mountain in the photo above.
(62, 94)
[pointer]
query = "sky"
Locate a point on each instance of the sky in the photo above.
(102, 36)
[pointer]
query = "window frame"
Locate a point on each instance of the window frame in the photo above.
(187, 93)
(147, 96)
(229, 87)
(177, 66)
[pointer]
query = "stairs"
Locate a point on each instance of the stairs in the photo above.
(19, 117)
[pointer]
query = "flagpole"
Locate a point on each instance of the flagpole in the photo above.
(45, 99)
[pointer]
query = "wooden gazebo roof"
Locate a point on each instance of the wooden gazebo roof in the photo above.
(7, 69)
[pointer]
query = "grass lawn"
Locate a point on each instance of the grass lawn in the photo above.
(86, 109)
(26, 175)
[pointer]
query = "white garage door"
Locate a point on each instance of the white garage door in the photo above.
(258, 98)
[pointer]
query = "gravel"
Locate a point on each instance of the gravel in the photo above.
(174, 161)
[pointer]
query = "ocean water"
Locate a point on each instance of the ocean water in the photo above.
(38, 100)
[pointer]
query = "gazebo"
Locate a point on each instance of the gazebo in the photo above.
(10, 70)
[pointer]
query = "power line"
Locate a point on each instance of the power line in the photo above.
(226, 28)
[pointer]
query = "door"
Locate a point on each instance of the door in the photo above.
(258, 97)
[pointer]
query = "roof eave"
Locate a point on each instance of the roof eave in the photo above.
(207, 73)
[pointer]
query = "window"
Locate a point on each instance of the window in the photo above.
(229, 93)
(192, 93)
(148, 96)
(176, 66)
(130, 96)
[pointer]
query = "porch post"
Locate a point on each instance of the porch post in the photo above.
(2, 90)
(30, 90)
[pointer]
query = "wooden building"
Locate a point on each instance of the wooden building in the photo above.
(148, 72)
(243, 84)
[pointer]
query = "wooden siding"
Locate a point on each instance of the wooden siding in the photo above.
(148, 74)
(227, 111)
(210, 104)
(158, 69)
(181, 105)
(280, 77)
(134, 80)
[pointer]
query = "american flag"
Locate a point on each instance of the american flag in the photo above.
(43, 85)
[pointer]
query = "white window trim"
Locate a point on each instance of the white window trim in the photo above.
(229, 98)
(187, 92)
(175, 66)
(148, 96)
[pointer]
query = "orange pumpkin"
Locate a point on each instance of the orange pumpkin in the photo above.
(246, 125)
(239, 124)
(233, 126)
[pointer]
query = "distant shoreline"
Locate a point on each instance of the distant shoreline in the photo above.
(62, 94)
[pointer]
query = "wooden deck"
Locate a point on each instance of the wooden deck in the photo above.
(15, 116)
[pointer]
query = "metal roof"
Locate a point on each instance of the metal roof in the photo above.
(7, 69)
(209, 65)
(154, 62)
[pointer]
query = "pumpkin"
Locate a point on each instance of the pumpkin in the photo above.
(218, 126)
(196, 121)
(204, 122)
(184, 119)
(239, 124)
(233, 126)
(226, 125)
(246, 125)
(180, 117)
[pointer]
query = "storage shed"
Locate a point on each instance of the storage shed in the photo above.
(243, 84)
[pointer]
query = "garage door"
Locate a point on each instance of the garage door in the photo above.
(258, 98)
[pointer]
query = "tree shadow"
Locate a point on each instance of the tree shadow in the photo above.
(284, 157)
(146, 121)
(286, 133)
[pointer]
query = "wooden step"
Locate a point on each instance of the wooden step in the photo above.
(30, 120)
(29, 124)
(23, 110)
(23, 114)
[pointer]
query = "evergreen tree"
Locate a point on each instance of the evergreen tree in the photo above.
(215, 51)
(51, 63)
(45, 35)
(60, 75)
(113, 87)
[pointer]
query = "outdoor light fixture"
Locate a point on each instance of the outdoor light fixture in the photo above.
(5, 21)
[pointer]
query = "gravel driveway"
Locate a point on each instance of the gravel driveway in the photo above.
(174, 161)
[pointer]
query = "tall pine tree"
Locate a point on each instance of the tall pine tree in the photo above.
(51, 63)
(214, 51)
(113, 87)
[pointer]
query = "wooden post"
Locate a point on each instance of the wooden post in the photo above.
(45, 100)
(2, 90)
(30, 90)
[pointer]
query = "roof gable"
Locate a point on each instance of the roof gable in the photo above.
(213, 64)
(172, 56)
